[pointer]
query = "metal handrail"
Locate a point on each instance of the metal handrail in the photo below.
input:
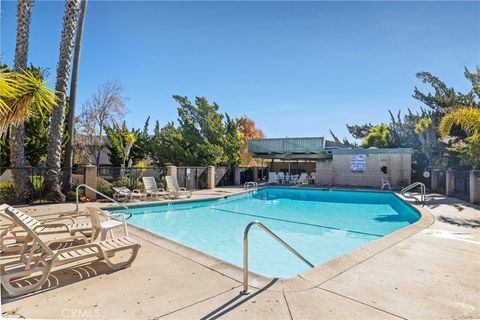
(250, 184)
(274, 236)
(103, 195)
(414, 185)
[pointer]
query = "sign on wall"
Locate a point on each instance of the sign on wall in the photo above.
(357, 163)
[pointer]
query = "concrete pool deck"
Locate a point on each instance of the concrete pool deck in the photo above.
(432, 273)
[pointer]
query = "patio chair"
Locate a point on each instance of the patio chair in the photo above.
(127, 194)
(385, 184)
(151, 188)
(36, 261)
(303, 179)
(172, 186)
(313, 177)
(281, 177)
(272, 177)
(101, 228)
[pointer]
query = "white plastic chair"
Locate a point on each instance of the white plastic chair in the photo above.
(385, 184)
(281, 177)
(303, 179)
(313, 177)
(101, 228)
(272, 177)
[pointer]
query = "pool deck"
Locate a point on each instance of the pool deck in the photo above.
(430, 271)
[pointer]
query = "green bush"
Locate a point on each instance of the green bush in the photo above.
(70, 196)
(105, 188)
(7, 192)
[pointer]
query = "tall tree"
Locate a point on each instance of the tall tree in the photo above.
(51, 186)
(105, 107)
(67, 173)
(24, 187)
(249, 131)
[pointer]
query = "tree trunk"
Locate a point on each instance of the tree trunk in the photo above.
(23, 186)
(67, 173)
(53, 175)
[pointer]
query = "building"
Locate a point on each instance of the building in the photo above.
(334, 163)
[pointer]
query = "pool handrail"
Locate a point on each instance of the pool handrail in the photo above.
(250, 185)
(103, 195)
(275, 237)
(414, 185)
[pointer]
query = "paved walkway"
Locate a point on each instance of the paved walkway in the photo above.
(434, 274)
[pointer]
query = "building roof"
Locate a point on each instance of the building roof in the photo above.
(309, 148)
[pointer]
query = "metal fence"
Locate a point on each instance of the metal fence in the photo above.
(440, 182)
(246, 174)
(224, 176)
(462, 185)
(128, 177)
(192, 178)
(36, 176)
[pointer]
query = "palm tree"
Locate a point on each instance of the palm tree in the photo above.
(51, 185)
(468, 119)
(24, 188)
(67, 173)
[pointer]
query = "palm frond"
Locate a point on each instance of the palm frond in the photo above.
(23, 94)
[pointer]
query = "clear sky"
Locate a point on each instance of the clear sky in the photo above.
(296, 68)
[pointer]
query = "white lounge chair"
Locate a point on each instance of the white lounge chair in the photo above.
(303, 179)
(151, 188)
(272, 177)
(127, 194)
(44, 228)
(32, 267)
(385, 184)
(174, 189)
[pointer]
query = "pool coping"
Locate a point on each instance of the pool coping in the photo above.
(310, 278)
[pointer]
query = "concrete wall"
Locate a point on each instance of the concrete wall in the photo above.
(337, 171)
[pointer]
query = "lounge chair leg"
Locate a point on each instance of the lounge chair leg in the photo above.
(16, 291)
(121, 265)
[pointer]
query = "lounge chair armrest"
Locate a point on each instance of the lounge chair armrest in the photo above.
(137, 191)
(115, 215)
(59, 218)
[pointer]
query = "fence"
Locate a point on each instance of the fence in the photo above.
(224, 176)
(36, 176)
(459, 184)
(462, 185)
(127, 177)
(192, 178)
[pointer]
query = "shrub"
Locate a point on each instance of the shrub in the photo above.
(37, 182)
(105, 188)
(70, 196)
(7, 192)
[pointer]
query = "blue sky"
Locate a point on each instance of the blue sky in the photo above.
(296, 68)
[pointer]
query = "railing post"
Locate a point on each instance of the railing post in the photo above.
(450, 184)
(475, 186)
(236, 177)
(171, 170)
(255, 174)
(91, 181)
(210, 177)
(434, 180)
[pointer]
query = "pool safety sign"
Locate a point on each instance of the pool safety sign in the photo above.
(358, 163)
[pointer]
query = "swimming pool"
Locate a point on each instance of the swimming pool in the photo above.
(319, 224)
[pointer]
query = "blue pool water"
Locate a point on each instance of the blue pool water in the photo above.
(320, 224)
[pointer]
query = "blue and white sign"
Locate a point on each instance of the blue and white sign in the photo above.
(358, 163)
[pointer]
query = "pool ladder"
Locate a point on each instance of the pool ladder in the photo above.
(275, 237)
(414, 185)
